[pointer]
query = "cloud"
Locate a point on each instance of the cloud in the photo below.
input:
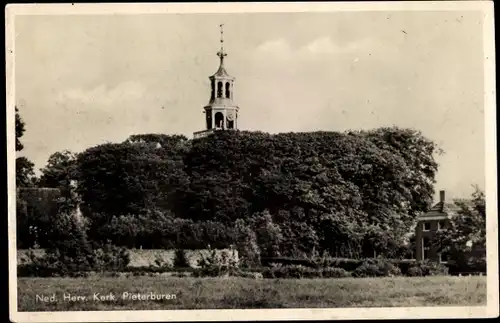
(322, 45)
(102, 95)
(281, 49)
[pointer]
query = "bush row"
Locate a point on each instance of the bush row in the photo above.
(366, 268)
(370, 265)
(298, 271)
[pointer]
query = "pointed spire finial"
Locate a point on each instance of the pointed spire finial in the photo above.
(221, 53)
(221, 36)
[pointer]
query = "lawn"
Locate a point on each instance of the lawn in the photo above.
(244, 293)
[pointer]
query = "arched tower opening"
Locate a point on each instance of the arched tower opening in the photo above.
(219, 89)
(228, 90)
(219, 120)
(212, 93)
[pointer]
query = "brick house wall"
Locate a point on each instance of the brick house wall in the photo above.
(428, 225)
(426, 231)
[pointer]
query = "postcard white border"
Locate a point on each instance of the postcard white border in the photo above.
(491, 310)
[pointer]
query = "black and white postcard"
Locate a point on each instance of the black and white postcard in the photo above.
(251, 161)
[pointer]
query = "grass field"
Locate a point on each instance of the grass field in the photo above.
(243, 293)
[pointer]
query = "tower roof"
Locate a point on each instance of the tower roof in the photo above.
(221, 72)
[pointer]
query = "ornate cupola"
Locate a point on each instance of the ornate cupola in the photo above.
(221, 113)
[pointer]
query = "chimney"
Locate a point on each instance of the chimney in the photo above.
(441, 196)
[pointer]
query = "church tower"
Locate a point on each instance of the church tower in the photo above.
(221, 113)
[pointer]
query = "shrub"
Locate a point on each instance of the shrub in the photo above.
(469, 264)
(376, 267)
(69, 251)
(288, 261)
(478, 264)
(415, 271)
(214, 264)
(246, 244)
(160, 262)
(293, 271)
(344, 263)
(333, 272)
(111, 258)
(180, 259)
(299, 271)
(267, 232)
(36, 269)
(427, 268)
(404, 265)
(250, 274)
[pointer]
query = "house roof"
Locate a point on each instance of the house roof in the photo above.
(441, 209)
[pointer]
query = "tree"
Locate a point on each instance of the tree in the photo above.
(69, 249)
(464, 239)
(358, 192)
(36, 209)
(268, 234)
(246, 245)
(60, 172)
(352, 194)
(142, 173)
(25, 174)
(20, 128)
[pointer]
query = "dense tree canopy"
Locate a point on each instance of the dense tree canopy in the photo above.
(59, 171)
(25, 173)
(20, 128)
(351, 194)
(139, 174)
(464, 239)
(35, 207)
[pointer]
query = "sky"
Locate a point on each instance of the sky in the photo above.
(86, 80)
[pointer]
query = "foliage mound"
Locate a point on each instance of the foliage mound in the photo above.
(376, 267)
(217, 264)
(71, 254)
(354, 194)
(426, 268)
(180, 259)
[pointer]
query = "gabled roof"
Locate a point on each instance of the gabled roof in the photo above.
(442, 209)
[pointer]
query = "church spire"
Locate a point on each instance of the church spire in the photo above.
(221, 113)
(221, 53)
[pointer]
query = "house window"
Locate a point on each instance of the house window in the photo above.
(426, 226)
(440, 225)
(425, 248)
(443, 257)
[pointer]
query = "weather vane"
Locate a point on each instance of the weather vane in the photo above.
(221, 53)
(222, 35)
